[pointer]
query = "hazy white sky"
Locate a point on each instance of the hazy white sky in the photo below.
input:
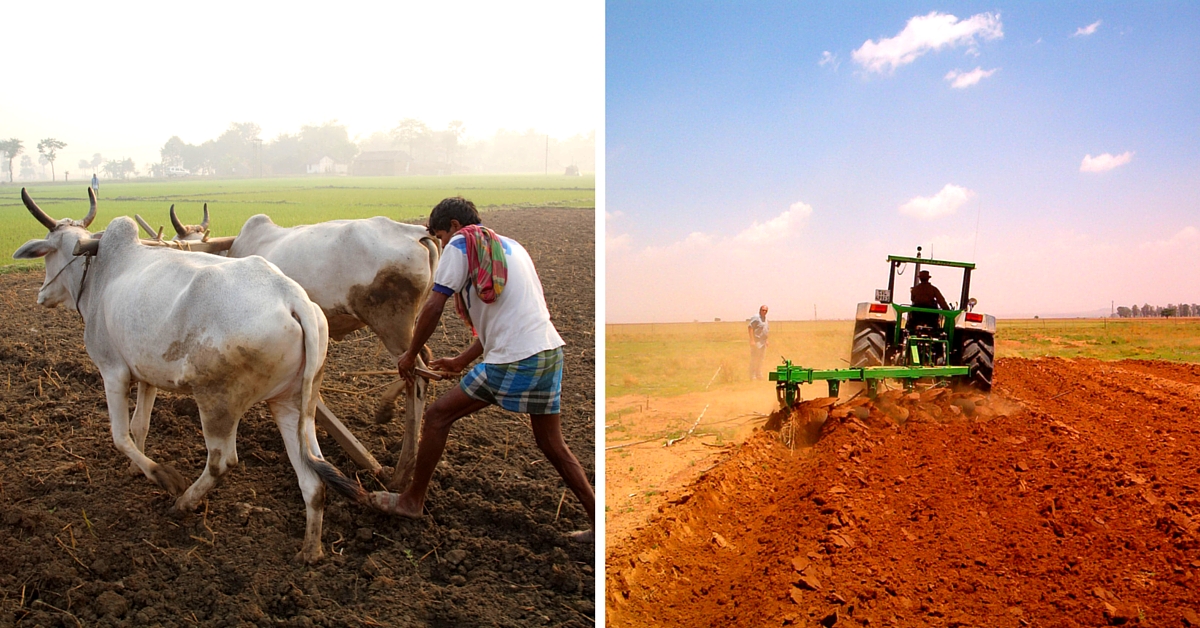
(120, 78)
(776, 152)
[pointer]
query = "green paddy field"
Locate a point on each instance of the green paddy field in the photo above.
(288, 202)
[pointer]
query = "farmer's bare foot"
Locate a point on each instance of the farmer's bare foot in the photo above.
(583, 536)
(394, 504)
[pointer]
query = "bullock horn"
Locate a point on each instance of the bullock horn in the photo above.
(204, 223)
(179, 228)
(91, 215)
(37, 212)
(144, 225)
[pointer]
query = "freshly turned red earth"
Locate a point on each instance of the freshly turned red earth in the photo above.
(85, 544)
(1069, 497)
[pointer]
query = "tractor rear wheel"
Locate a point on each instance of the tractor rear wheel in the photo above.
(979, 353)
(870, 344)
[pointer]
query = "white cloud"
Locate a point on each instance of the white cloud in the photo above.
(703, 275)
(925, 33)
(777, 228)
(828, 58)
(945, 202)
(616, 242)
(962, 80)
(1105, 162)
(1090, 29)
(1186, 236)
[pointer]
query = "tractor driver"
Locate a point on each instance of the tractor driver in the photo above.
(926, 295)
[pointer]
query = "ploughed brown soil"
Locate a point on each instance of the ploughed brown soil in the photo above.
(84, 543)
(1070, 497)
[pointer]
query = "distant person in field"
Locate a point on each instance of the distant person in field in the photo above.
(95, 184)
(926, 295)
(497, 292)
(758, 341)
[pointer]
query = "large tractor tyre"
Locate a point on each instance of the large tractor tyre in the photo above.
(979, 353)
(870, 345)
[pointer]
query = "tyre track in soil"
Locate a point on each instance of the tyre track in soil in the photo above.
(1070, 500)
(87, 544)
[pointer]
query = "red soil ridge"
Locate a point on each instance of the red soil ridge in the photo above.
(1069, 499)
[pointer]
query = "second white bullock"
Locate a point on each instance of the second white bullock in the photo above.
(372, 272)
(241, 332)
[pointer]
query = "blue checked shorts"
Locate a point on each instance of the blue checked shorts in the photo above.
(529, 386)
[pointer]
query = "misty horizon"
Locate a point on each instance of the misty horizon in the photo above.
(453, 148)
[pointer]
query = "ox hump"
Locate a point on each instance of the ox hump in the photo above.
(257, 221)
(121, 232)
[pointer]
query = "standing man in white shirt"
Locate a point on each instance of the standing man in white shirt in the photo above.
(758, 341)
(496, 289)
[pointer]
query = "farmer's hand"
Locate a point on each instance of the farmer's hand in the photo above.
(406, 365)
(450, 365)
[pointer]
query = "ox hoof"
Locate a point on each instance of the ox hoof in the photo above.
(183, 508)
(384, 413)
(134, 470)
(583, 536)
(167, 478)
(394, 504)
(309, 556)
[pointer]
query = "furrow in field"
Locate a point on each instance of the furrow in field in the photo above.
(1072, 509)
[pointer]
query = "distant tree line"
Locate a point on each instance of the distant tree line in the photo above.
(47, 151)
(239, 151)
(1154, 311)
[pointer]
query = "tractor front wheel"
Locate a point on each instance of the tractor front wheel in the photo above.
(870, 344)
(979, 353)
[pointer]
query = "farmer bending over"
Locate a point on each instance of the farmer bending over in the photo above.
(497, 291)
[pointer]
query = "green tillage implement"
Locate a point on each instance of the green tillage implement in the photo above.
(788, 378)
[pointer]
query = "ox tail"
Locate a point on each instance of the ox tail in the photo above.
(316, 342)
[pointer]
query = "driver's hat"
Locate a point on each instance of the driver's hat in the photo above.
(923, 274)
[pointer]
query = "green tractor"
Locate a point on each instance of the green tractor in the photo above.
(891, 334)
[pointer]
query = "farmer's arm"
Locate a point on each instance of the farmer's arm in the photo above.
(461, 361)
(427, 321)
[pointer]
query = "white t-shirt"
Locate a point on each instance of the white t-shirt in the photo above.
(517, 324)
(759, 327)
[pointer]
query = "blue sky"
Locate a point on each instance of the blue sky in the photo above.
(777, 152)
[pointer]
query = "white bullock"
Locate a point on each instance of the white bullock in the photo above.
(373, 272)
(241, 332)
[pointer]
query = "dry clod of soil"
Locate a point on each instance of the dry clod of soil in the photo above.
(1024, 507)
